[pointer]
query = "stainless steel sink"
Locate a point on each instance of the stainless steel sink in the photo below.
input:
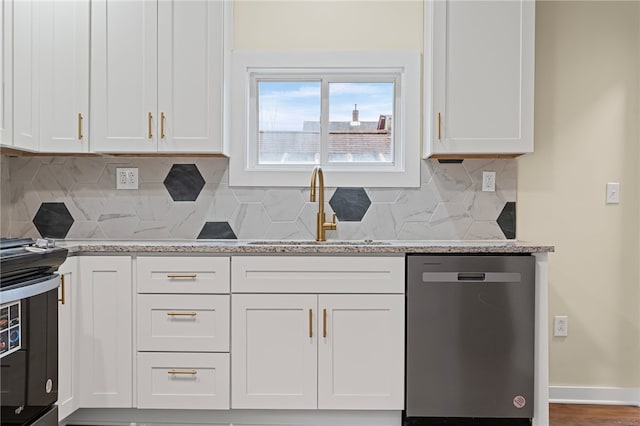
(321, 243)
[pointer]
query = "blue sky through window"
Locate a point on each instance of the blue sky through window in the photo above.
(285, 106)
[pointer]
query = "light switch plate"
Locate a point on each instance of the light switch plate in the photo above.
(560, 326)
(613, 193)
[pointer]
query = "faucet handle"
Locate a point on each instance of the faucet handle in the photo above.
(334, 219)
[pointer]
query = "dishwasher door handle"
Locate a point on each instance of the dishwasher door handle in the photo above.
(471, 277)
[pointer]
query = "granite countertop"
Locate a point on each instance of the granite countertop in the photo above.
(294, 247)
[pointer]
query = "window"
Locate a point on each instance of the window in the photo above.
(355, 114)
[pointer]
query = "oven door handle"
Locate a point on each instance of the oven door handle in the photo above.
(29, 290)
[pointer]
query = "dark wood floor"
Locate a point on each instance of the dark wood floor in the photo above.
(593, 415)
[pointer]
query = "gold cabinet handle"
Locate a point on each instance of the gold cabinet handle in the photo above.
(150, 123)
(310, 322)
(324, 323)
(80, 126)
(162, 123)
(61, 300)
(181, 314)
(184, 276)
(439, 128)
(191, 372)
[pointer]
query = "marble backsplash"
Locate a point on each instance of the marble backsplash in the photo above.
(186, 198)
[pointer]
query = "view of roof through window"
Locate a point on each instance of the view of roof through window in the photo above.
(359, 121)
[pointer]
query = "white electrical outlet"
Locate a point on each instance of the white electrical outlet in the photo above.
(127, 178)
(560, 325)
(488, 181)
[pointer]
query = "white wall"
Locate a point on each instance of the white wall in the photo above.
(328, 25)
(587, 131)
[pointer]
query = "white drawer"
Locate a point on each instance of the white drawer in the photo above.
(175, 274)
(317, 274)
(183, 322)
(183, 380)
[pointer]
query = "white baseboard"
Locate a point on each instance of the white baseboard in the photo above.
(140, 417)
(594, 395)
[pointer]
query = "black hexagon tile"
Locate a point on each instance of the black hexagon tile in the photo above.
(217, 231)
(53, 220)
(350, 204)
(507, 220)
(184, 182)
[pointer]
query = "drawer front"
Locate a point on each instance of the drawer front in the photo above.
(183, 381)
(175, 274)
(183, 322)
(318, 274)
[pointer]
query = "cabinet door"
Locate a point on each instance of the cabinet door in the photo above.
(66, 338)
(190, 69)
(64, 73)
(26, 68)
(274, 343)
(124, 75)
(482, 77)
(361, 352)
(104, 320)
(6, 72)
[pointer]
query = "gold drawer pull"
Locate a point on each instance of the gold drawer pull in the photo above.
(80, 126)
(324, 323)
(181, 314)
(61, 300)
(149, 124)
(188, 276)
(191, 372)
(310, 322)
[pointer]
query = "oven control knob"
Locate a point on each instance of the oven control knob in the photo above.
(49, 386)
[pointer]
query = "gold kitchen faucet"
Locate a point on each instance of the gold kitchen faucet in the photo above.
(322, 225)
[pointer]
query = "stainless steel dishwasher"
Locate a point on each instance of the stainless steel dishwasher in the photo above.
(470, 339)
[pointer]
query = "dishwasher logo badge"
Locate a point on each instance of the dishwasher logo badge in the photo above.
(519, 401)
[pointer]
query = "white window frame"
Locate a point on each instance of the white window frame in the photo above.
(404, 67)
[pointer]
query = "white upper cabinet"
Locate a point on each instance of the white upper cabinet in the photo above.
(190, 66)
(6, 72)
(124, 49)
(45, 75)
(64, 76)
(26, 67)
(157, 76)
(479, 74)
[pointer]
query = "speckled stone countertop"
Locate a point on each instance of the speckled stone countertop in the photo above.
(77, 247)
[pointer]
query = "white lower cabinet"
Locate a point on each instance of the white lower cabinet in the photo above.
(104, 366)
(335, 349)
(182, 332)
(174, 322)
(274, 347)
(183, 380)
(316, 351)
(67, 341)
(361, 352)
